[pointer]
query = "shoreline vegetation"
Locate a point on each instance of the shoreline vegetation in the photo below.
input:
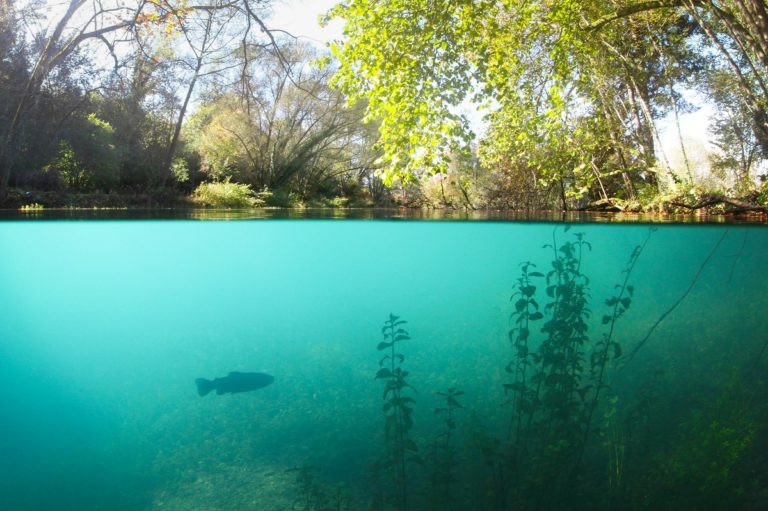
(31, 202)
(160, 103)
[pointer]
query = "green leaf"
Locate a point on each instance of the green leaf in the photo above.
(384, 345)
(607, 319)
(384, 373)
(453, 403)
(514, 387)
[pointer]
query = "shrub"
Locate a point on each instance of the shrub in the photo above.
(225, 195)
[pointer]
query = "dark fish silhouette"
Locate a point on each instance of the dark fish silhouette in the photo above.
(233, 382)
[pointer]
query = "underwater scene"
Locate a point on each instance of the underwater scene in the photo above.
(382, 365)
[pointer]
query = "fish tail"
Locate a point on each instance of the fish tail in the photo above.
(204, 386)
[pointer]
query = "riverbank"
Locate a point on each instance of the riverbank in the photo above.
(172, 204)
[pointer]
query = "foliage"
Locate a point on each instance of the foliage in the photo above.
(457, 188)
(708, 467)
(443, 457)
(573, 89)
(572, 92)
(739, 150)
(397, 408)
(286, 131)
(555, 388)
(314, 496)
(180, 170)
(225, 194)
(88, 161)
(67, 167)
(32, 207)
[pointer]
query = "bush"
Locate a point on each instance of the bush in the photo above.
(225, 195)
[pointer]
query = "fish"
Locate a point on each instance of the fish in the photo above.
(233, 383)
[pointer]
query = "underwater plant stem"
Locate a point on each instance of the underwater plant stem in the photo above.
(738, 256)
(550, 336)
(399, 452)
(760, 356)
(520, 368)
(679, 300)
(604, 355)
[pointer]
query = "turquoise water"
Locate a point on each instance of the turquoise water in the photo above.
(106, 324)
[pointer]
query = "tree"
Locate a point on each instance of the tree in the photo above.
(283, 130)
(739, 152)
(574, 89)
(201, 31)
(108, 25)
(96, 24)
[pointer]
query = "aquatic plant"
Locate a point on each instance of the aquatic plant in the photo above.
(314, 496)
(717, 461)
(608, 347)
(397, 408)
(443, 455)
(625, 430)
(526, 310)
(556, 388)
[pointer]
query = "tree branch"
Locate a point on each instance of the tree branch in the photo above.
(714, 199)
(632, 9)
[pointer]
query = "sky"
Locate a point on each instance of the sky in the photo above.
(300, 18)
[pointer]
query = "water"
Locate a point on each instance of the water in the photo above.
(106, 324)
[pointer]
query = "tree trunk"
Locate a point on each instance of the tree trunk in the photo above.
(166, 170)
(48, 57)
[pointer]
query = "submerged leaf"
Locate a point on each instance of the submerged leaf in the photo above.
(384, 345)
(515, 387)
(384, 373)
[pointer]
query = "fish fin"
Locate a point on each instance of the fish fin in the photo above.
(204, 386)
